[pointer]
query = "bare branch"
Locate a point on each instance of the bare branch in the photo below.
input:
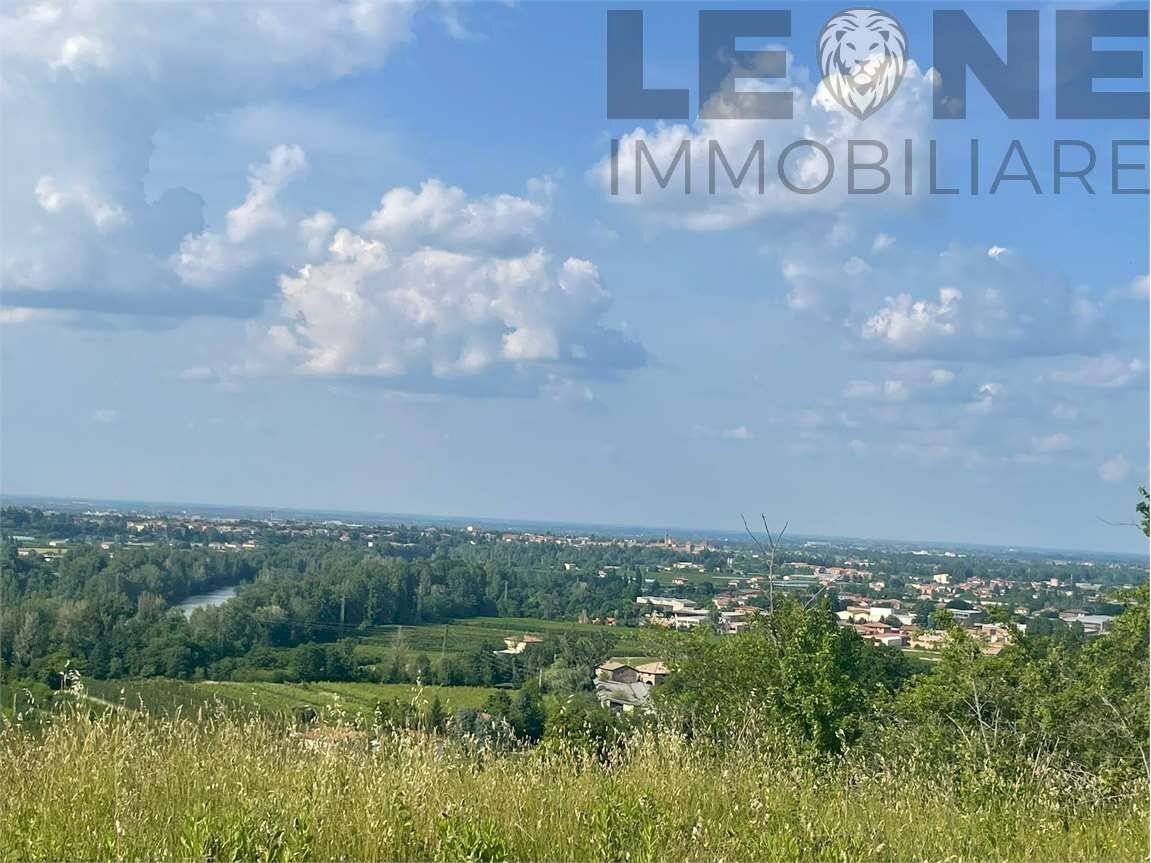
(754, 538)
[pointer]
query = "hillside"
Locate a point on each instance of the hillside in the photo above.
(122, 787)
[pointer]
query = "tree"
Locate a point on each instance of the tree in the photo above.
(794, 670)
(527, 715)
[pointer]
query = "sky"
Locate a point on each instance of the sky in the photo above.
(365, 256)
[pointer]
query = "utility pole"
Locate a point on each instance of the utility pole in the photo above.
(343, 608)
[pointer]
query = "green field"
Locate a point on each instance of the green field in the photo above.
(160, 696)
(477, 633)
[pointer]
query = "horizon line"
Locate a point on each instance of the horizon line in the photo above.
(5, 497)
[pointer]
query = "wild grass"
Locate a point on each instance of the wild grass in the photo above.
(125, 786)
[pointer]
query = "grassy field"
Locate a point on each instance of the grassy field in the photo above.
(126, 787)
(164, 697)
(476, 633)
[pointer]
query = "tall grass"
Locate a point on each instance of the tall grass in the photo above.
(124, 786)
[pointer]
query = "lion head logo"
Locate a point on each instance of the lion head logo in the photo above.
(862, 54)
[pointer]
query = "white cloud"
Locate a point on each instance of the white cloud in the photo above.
(20, 315)
(105, 416)
(906, 325)
(1064, 411)
(996, 252)
(80, 53)
(52, 198)
(233, 46)
(987, 307)
(405, 302)
(210, 258)
(941, 377)
(442, 214)
(895, 391)
(316, 231)
(1114, 469)
(986, 397)
(882, 242)
(816, 116)
(1106, 372)
(96, 83)
(563, 389)
(740, 432)
(266, 180)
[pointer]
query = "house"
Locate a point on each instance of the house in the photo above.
(733, 621)
(652, 673)
(615, 671)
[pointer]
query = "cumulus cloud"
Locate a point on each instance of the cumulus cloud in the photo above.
(987, 306)
(412, 297)
(266, 180)
(234, 47)
(1114, 469)
(88, 86)
(441, 214)
(817, 116)
(907, 325)
(209, 258)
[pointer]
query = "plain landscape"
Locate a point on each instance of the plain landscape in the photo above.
(187, 686)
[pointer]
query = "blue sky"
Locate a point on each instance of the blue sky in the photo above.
(364, 257)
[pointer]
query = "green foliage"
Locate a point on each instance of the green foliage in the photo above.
(1042, 700)
(794, 669)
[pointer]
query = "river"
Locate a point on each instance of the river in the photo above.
(206, 600)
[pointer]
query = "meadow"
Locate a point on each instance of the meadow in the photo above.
(356, 700)
(120, 785)
(478, 633)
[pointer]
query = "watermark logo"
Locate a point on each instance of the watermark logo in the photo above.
(862, 54)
